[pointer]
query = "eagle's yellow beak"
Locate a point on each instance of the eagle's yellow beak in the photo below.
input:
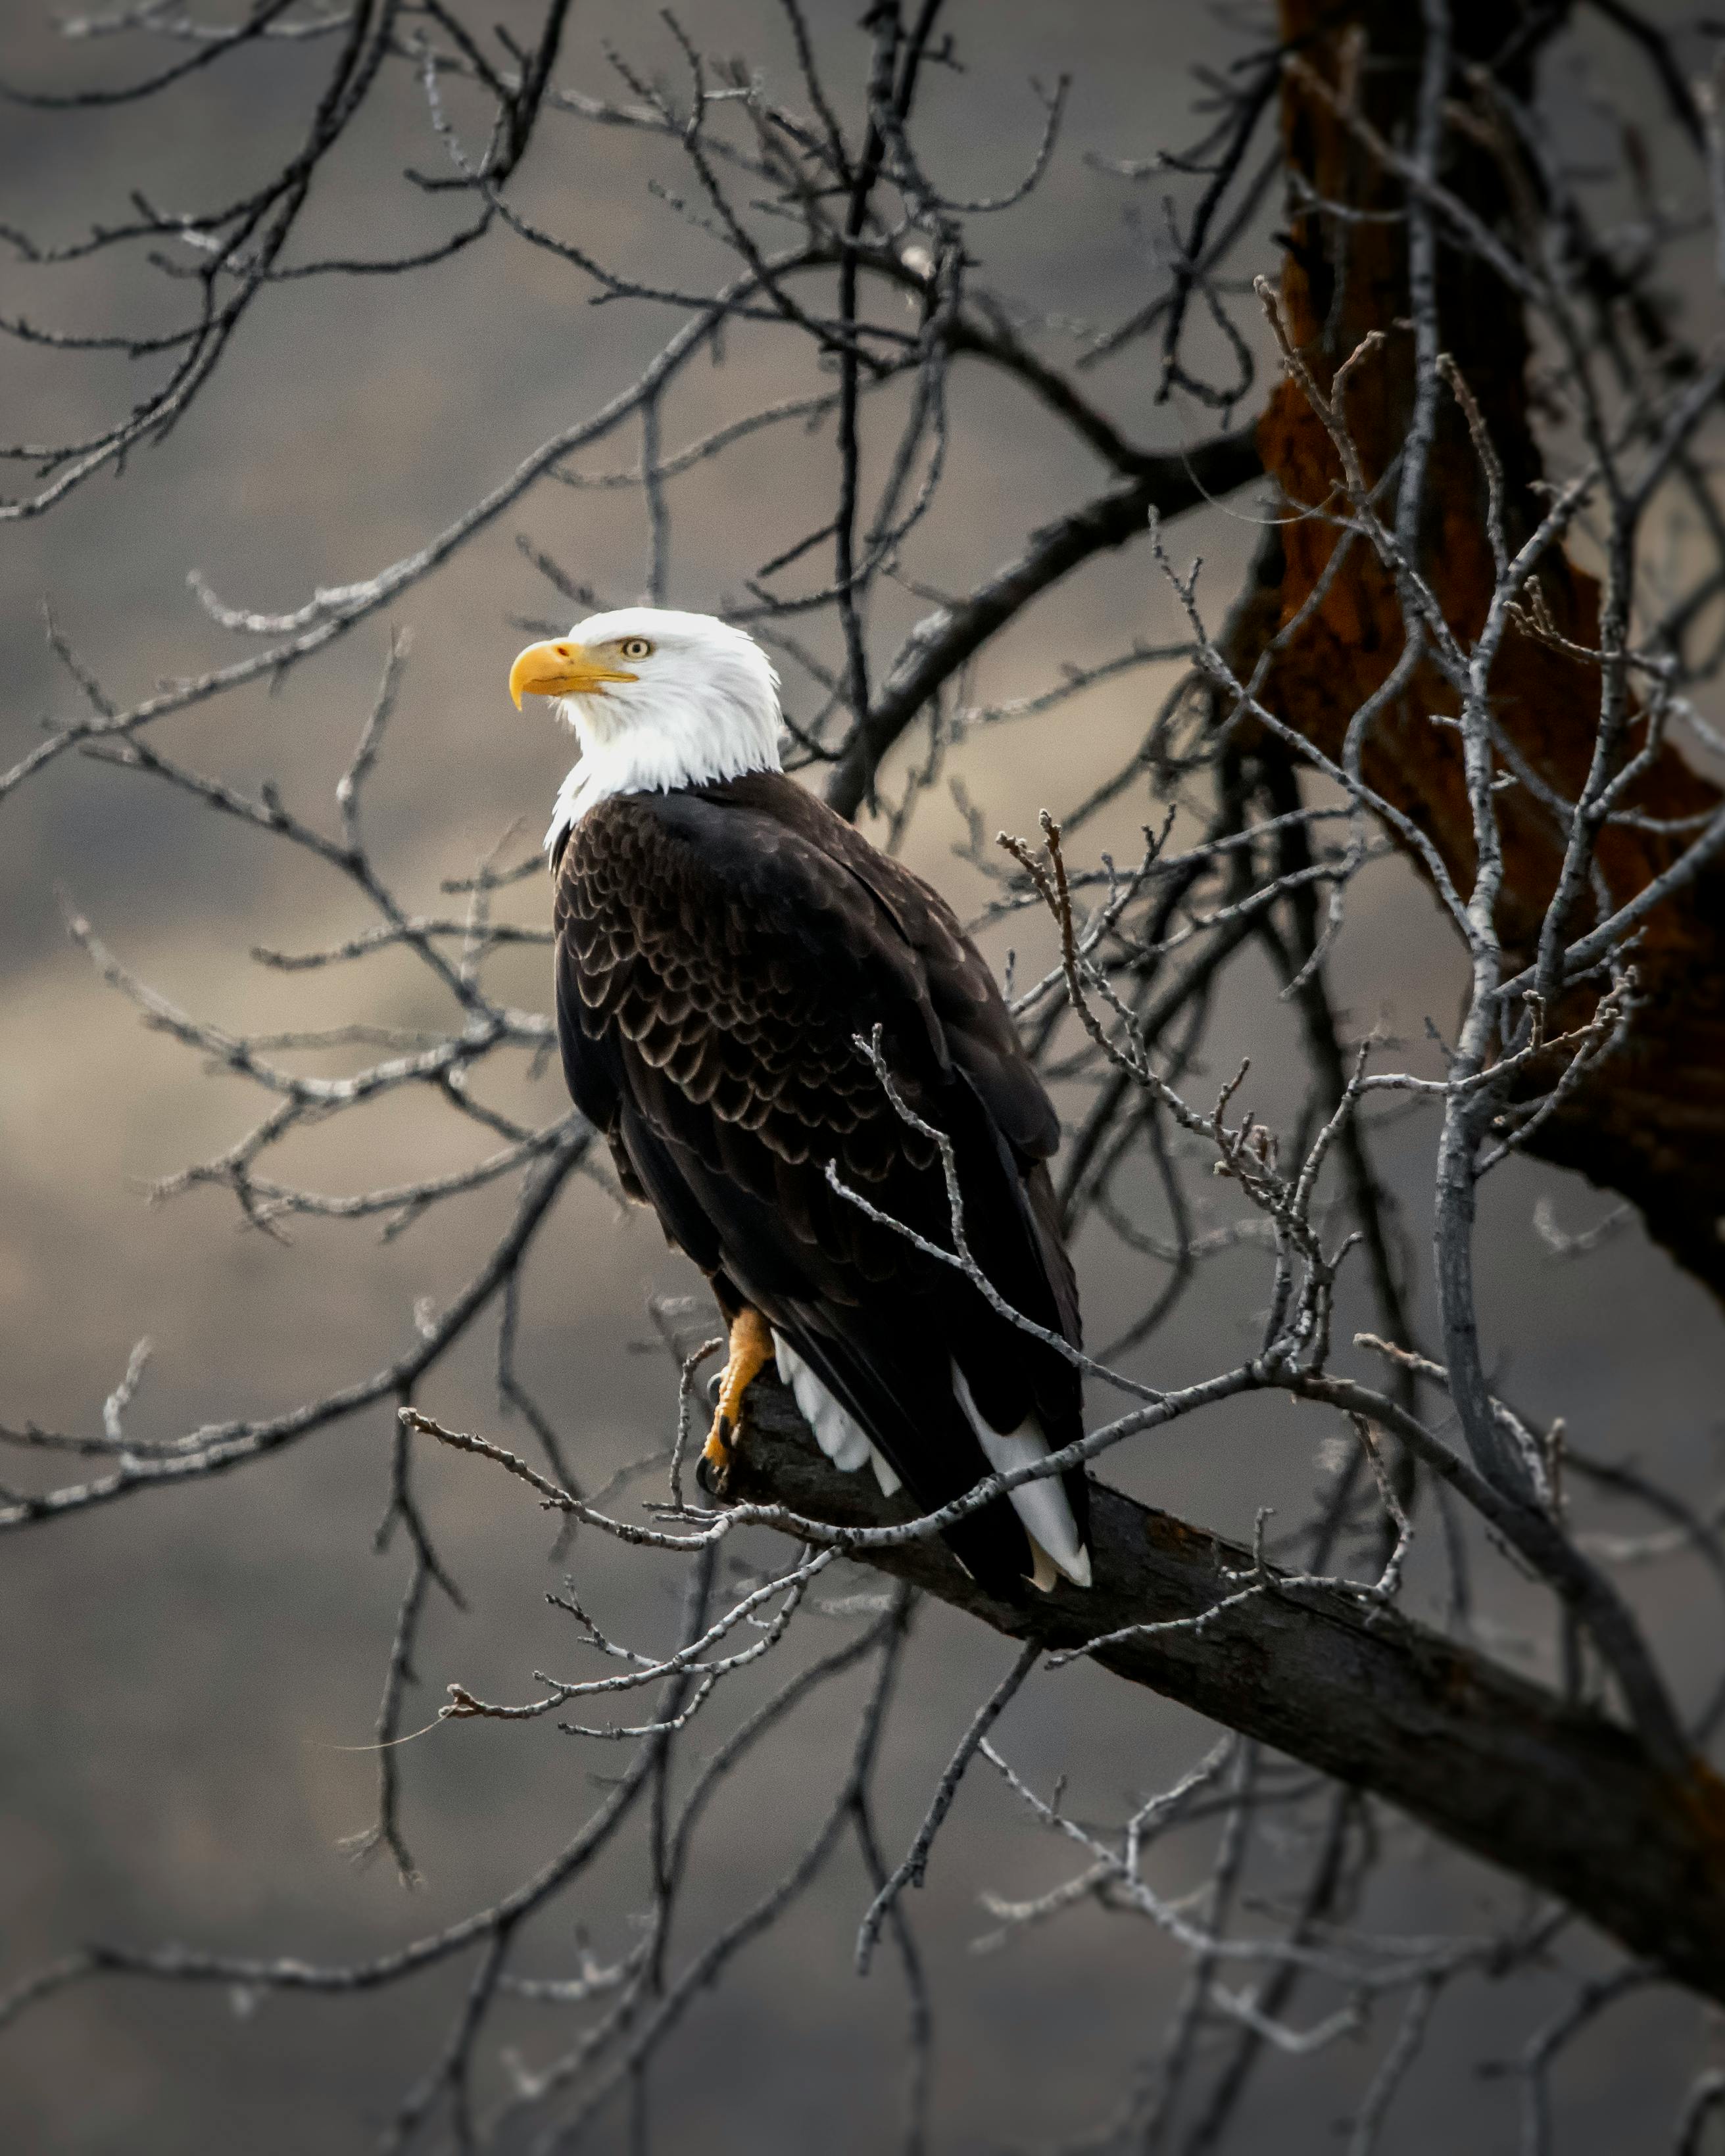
(562, 668)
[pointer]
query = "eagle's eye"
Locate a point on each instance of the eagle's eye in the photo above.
(636, 647)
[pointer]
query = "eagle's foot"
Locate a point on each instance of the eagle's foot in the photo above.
(750, 1352)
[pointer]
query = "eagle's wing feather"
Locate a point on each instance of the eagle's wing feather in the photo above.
(718, 951)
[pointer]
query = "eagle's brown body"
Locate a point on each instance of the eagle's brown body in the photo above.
(720, 948)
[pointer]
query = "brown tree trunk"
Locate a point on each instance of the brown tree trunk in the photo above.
(1650, 1122)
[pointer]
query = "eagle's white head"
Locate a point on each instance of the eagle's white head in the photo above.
(658, 700)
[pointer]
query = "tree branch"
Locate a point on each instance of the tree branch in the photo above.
(1552, 1793)
(940, 645)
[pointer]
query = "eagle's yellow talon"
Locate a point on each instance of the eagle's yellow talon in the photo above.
(750, 1352)
(716, 1456)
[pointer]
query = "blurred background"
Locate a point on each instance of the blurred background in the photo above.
(188, 1679)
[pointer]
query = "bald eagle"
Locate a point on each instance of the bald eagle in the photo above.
(725, 945)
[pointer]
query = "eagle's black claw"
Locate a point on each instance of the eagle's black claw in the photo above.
(713, 1470)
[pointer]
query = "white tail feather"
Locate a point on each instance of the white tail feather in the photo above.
(1043, 1506)
(836, 1432)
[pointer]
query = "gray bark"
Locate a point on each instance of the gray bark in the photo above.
(1556, 1794)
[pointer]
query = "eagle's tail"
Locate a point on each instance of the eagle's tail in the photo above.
(1044, 1507)
(839, 1435)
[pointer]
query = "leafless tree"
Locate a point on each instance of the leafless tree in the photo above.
(1475, 414)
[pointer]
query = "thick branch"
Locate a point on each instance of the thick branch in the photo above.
(1553, 1794)
(941, 645)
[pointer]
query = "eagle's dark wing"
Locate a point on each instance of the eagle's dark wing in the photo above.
(718, 951)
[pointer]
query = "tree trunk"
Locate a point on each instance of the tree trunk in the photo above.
(1650, 1122)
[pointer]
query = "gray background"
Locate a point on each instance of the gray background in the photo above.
(179, 1674)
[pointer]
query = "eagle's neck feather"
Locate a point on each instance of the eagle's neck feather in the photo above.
(692, 734)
